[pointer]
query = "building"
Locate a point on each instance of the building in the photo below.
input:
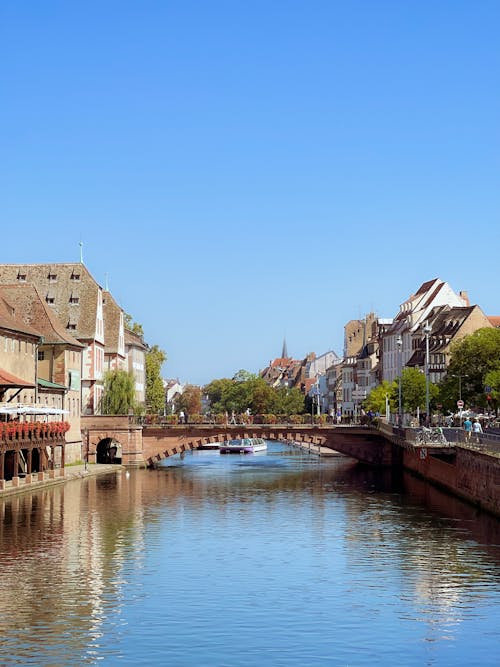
(58, 361)
(405, 333)
(446, 325)
(135, 353)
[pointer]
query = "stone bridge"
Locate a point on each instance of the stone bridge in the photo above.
(146, 446)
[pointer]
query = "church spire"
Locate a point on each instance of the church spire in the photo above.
(284, 351)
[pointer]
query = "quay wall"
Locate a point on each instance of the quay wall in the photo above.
(472, 475)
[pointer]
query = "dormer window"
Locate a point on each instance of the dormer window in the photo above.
(75, 277)
(52, 277)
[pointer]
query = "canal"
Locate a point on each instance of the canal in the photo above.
(272, 559)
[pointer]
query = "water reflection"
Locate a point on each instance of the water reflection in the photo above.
(87, 566)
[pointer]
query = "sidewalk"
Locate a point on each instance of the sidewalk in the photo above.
(52, 477)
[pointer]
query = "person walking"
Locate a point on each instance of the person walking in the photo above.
(477, 429)
(468, 429)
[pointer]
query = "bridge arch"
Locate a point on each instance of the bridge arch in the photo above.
(108, 450)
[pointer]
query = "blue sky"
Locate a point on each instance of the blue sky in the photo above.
(244, 171)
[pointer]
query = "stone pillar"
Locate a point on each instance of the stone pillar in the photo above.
(29, 462)
(2, 466)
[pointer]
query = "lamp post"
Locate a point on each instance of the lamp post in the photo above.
(399, 343)
(427, 331)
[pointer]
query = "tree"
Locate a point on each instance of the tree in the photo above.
(413, 390)
(133, 326)
(376, 399)
(492, 381)
(216, 392)
(119, 393)
(472, 359)
(155, 392)
(249, 391)
(190, 400)
(288, 401)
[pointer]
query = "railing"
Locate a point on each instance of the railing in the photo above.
(32, 430)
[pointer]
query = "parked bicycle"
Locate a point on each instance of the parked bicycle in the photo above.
(431, 436)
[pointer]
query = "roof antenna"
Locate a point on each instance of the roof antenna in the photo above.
(81, 252)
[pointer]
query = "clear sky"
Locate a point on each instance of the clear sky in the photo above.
(247, 170)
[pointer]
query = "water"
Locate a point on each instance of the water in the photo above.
(272, 559)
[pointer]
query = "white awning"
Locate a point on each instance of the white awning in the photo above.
(20, 409)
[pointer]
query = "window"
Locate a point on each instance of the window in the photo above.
(74, 300)
(75, 277)
(71, 326)
(21, 277)
(49, 299)
(41, 355)
(52, 277)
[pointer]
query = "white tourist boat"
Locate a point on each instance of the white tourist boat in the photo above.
(243, 446)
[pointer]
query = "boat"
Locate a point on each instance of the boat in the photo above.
(243, 446)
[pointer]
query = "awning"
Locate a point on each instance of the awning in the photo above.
(21, 409)
(45, 384)
(9, 381)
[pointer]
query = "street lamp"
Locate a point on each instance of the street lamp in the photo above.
(427, 331)
(399, 343)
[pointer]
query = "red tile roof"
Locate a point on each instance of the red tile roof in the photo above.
(9, 380)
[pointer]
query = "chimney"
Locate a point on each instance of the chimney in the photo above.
(465, 297)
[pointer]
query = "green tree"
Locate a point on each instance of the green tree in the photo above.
(119, 393)
(247, 390)
(472, 359)
(133, 326)
(155, 392)
(376, 399)
(288, 401)
(216, 391)
(492, 381)
(413, 390)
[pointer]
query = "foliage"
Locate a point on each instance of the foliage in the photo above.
(375, 401)
(119, 393)
(413, 390)
(190, 400)
(246, 391)
(155, 392)
(133, 326)
(492, 380)
(473, 358)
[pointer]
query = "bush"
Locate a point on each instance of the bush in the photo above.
(195, 419)
(269, 419)
(172, 419)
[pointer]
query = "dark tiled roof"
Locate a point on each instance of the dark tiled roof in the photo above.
(134, 340)
(33, 311)
(10, 322)
(61, 282)
(112, 313)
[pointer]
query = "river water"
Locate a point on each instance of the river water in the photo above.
(273, 559)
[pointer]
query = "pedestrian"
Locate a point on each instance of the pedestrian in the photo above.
(477, 429)
(468, 428)
(181, 417)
